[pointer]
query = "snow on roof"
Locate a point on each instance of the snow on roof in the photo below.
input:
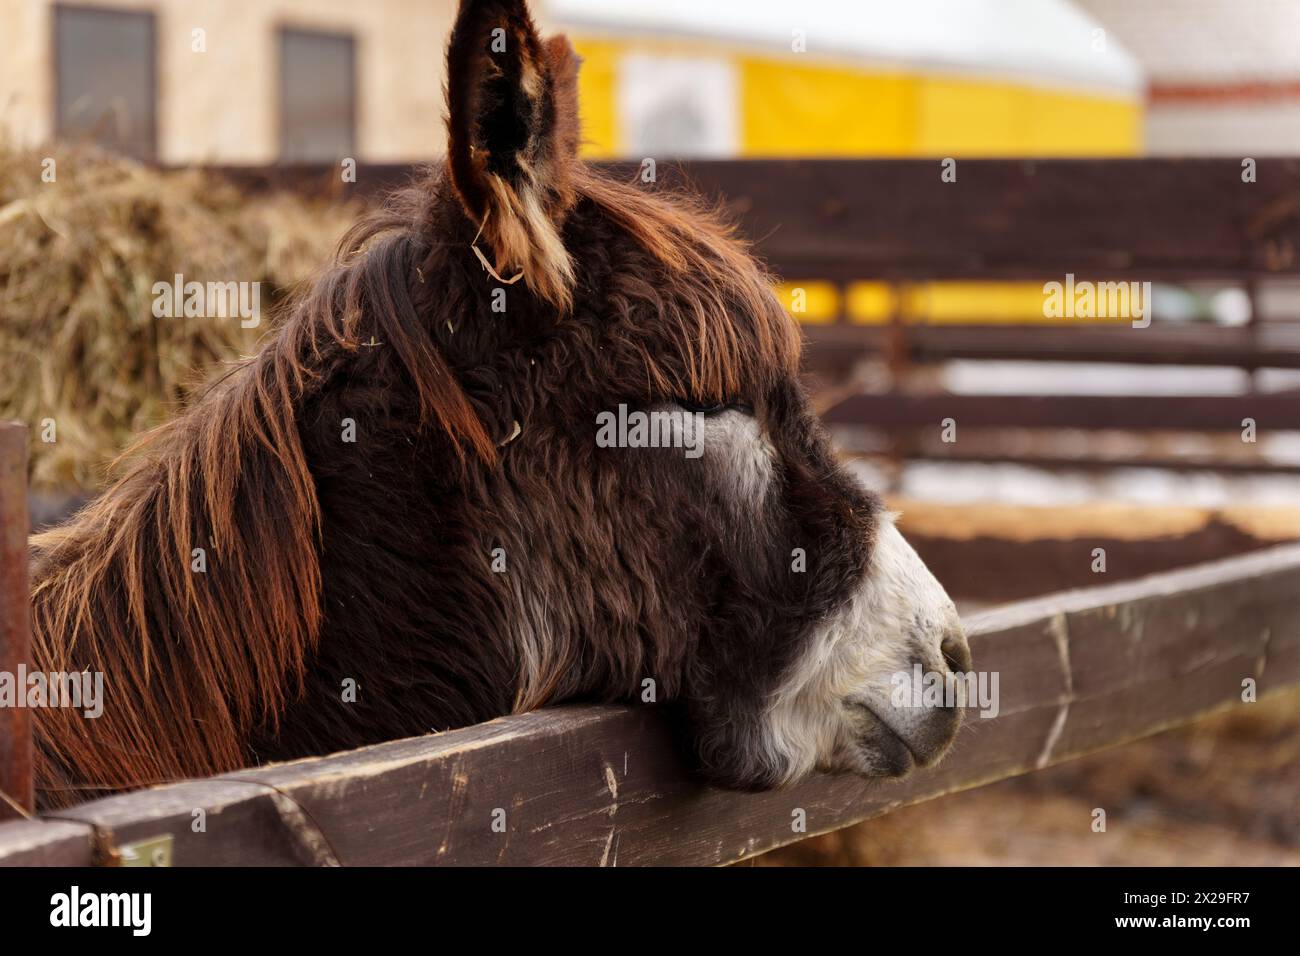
(1036, 41)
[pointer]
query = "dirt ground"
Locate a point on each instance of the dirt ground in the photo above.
(1224, 791)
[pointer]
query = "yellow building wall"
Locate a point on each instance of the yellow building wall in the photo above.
(793, 108)
(790, 109)
(602, 133)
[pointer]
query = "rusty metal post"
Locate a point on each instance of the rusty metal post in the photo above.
(15, 620)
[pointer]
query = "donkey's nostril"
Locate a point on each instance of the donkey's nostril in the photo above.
(956, 652)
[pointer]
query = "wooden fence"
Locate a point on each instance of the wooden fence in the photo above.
(1078, 672)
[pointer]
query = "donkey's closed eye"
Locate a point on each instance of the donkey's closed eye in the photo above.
(715, 408)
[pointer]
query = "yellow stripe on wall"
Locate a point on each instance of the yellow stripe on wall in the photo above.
(1065, 124)
(792, 108)
(598, 97)
(972, 118)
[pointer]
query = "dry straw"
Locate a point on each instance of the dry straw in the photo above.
(79, 256)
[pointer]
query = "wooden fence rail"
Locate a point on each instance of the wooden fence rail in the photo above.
(848, 219)
(1144, 219)
(1267, 345)
(905, 411)
(1077, 672)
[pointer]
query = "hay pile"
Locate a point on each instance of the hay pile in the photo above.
(79, 256)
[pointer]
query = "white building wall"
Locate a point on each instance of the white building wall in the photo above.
(1224, 74)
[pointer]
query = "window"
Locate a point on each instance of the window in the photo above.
(105, 78)
(677, 106)
(318, 104)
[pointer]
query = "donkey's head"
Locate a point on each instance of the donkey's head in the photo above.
(601, 481)
(658, 507)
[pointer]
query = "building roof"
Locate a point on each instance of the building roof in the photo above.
(1207, 42)
(1035, 41)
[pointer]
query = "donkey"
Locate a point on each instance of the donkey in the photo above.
(402, 493)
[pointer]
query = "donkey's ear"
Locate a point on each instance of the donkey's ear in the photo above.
(513, 139)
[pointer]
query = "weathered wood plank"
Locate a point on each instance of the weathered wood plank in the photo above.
(1145, 219)
(1175, 464)
(862, 218)
(997, 565)
(43, 842)
(17, 796)
(903, 411)
(1264, 345)
(219, 822)
(1077, 672)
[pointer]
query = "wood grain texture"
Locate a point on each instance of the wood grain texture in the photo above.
(848, 219)
(1267, 344)
(906, 411)
(1078, 671)
(979, 569)
(16, 794)
(46, 842)
(1144, 219)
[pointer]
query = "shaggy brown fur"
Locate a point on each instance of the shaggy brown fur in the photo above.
(512, 132)
(372, 560)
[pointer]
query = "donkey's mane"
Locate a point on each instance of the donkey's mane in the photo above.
(196, 663)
